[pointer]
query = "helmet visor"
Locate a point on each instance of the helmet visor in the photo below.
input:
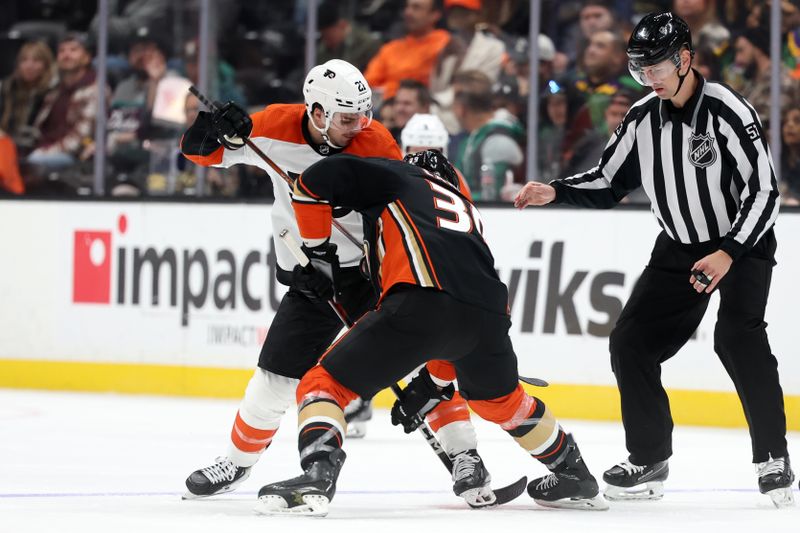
(647, 75)
(351, 122)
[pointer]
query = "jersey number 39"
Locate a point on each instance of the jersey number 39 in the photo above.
(463, 216)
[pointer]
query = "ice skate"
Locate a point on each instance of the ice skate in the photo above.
(219, 478)
(357, 414)
(306, 495)
(627, 481)
(471, 480)
(775, 478)
(570, 485)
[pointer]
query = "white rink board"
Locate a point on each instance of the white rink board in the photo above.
(600, 252)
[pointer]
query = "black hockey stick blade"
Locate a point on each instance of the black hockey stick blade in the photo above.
(536, 382)
(506, 494)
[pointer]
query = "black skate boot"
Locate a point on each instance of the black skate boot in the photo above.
(219, 478)
(471, 480)
(570, 485)
(308, 494)
(357, 414)
(775, 478)
(627, 481)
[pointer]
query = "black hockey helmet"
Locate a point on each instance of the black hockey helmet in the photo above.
(657, 37)
(436, 163)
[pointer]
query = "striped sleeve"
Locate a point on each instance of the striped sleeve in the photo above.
(613, 178)
(759, 196)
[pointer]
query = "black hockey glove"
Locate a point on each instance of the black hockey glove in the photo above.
(230, 124)
(419, 399)
(316, 281)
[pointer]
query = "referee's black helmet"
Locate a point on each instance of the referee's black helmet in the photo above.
(657, 37)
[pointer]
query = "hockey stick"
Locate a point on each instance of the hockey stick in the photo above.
(501, 495)
(274, 166)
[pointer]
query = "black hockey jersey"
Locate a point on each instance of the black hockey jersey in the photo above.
(420, 230)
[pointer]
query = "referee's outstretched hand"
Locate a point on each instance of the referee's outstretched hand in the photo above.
(534, 193)
(714, 266)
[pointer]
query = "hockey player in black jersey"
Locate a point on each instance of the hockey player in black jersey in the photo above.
(440, 298)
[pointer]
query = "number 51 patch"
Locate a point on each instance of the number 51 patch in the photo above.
(752, 131)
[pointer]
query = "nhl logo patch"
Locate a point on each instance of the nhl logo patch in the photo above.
(701, 150)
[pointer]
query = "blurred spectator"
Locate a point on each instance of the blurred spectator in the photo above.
(593, 16)
(67, 118)
(22, 93)
(127, 16)
(10, 179)
(386, 114)
(131, 116)
(470, 48)
(227, 89)
(588, 150)
(517, 64)
(790, 155)
(698, 14)
(604, 64)
(340, 38)
(559, 105)
(752, 58)
(506, 97)
(412, 56)
(412, 97)
(493, 153)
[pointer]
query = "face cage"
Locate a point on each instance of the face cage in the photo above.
(646, 75)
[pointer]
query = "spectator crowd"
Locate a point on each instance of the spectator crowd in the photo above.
(464, 61)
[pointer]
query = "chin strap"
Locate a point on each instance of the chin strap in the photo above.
(682, 78)
(324, 132)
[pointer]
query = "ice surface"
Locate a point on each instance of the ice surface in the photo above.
(109, 463)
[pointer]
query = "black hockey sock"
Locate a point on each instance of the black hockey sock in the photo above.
(321, 429)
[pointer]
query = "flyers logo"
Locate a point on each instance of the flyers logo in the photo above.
(91, 273)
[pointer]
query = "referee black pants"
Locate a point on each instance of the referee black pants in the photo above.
(662, 314)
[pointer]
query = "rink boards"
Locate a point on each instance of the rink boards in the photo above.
(174, 298)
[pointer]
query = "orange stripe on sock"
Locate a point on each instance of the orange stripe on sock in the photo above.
(249, 439)
(323, 428)
(447, 412)
(560, 442)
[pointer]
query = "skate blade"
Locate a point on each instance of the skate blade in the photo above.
(191, 496)
(579, 504)
(313, 505)
(782, 498)
(498, 497)
(652, 490)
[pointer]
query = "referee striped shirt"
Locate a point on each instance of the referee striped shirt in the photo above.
(705, 167)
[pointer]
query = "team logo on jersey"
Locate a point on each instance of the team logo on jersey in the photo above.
(324, 149)
(701, 150)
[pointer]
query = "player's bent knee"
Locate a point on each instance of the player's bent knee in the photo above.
(267, 397)
(318, 382)
(502, 410)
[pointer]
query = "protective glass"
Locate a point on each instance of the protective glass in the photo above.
(648, 75)
(351, 122)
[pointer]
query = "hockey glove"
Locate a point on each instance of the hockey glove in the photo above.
(419, 399)
(230, 124)
(316, 280)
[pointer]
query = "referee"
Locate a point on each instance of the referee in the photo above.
(698, 150)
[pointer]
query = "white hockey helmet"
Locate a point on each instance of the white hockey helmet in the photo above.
(344, 95)
(425, 131)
